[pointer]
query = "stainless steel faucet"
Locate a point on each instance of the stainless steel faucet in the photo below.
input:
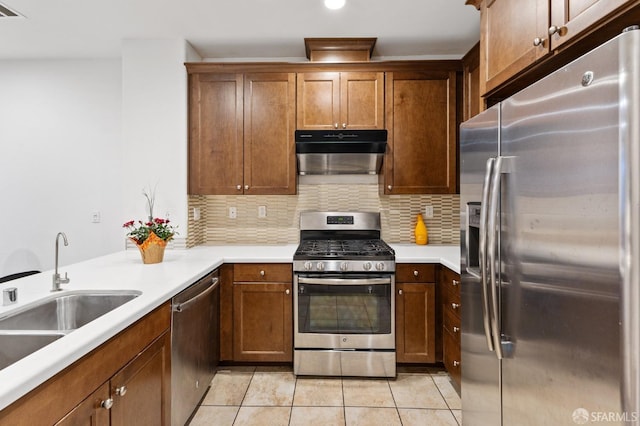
(57, 280)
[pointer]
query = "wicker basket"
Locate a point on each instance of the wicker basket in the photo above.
(152, 249)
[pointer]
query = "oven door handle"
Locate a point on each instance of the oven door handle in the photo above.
(344, 281)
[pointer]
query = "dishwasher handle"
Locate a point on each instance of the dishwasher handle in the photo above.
(179, 307)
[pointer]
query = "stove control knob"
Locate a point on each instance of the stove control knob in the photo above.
(380, 266)
(367, 266)
(308, 266)
(344, 266)
(320, 266)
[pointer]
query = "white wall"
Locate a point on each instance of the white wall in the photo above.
(155, 128)
(60, 160)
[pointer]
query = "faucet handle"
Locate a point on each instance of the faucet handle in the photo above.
(66, 279)
(9, 296)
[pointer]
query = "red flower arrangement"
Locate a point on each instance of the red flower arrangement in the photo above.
(139, 232)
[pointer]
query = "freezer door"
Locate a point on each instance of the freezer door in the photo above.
(560, 277)
(480, 366)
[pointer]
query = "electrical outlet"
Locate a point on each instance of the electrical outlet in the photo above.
(233, 212)
(95, 217)
(262, 211)
(428, 212)
(196, 213)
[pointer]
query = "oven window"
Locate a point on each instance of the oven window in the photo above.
(349, 309)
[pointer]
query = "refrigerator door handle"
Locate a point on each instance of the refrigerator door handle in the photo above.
(503, 165)
(482, 251)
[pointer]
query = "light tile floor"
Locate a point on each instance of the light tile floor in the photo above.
(274, 396)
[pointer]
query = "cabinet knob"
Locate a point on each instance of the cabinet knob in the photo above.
(538, 41)
(456, 363)
(400, 292)
(455, 305)
(554, 29)
(344, 125)
(416, 273)
(262, 273)
(238, 187)
(389, 187)
(121, 391)
(456, 329)
(246, 187)
(287, 291)
(455, 283)
(107, 404)
(335, 125)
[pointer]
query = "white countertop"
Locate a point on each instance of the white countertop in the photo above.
(158, 283)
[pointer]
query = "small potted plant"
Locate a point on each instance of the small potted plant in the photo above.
(151, 237)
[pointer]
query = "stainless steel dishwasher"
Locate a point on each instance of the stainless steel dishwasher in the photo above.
(194, 345)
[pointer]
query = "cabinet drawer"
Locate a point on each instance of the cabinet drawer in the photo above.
(451, 286)
(263, 272)
(410, 272)
(452, 323)
(452, 357)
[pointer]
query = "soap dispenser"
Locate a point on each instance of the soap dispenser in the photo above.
(420, 231)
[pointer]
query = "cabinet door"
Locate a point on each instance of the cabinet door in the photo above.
(415, 322)
(508, 33)
(90, 411)
(318, 103)
(269, 126)
(472, 103)
(362, 100)
(215, 134)
(421, 119)
(141, 391)
(570, 17)
(263, 329)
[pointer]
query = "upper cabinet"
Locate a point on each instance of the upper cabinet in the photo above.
(421, 145)
(340, 100)
(516, 34)
(241, 133)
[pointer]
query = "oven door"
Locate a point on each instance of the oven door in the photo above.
(350, 311)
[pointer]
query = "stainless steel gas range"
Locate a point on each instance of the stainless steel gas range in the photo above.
(344, 286)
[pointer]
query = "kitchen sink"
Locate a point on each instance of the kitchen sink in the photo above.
(16, 345)
(66, 312)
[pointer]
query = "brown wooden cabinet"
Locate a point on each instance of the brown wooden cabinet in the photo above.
(472, 102)
(138, 358)
(241, 133)
(450, 284)
(415, 313)
(340, 100)
(263, 313)
(421, 119)
(515, 35)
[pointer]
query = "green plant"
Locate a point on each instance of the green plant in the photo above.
(140, 231)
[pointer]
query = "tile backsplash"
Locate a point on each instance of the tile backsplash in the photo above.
(280, 226)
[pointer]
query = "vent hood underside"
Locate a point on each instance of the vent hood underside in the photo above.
(340, 152)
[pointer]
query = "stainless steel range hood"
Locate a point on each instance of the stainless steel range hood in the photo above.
(338, 152)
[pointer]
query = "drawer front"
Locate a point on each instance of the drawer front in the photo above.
(451, 284)
(452, 323)
(452, 357)
(418, 272)
(263, 272)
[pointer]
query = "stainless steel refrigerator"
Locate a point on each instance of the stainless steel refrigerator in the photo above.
(550, 224)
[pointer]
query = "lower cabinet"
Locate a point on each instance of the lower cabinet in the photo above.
(125, 381)
(415, 313)
(263, 313)
(450, 282)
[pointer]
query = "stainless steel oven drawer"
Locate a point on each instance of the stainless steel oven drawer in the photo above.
(344, 363)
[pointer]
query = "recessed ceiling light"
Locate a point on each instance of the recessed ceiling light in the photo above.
(334, 4)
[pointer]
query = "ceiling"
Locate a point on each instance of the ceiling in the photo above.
(236, 29)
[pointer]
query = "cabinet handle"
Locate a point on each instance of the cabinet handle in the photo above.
(455, 305)
(121, 391)
(246, 187)
(456, 363)
(455, 282)
(400, 292)
(287, 291)
(262, 273)
(416, 273)
(238, 187)
(456, 329)
(107, 404)
(538, 41)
